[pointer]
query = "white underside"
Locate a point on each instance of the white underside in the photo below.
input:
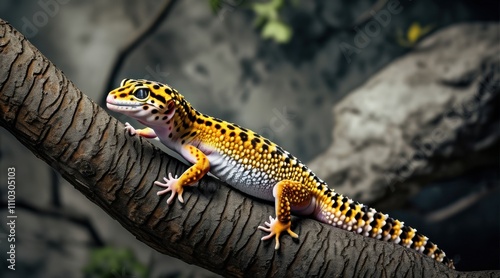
(254, 181)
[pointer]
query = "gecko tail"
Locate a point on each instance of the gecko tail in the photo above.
(342, 212)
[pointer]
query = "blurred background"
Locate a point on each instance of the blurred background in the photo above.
(355, 89)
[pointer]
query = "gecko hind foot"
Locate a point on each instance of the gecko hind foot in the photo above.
(274, 227)
(172, 185)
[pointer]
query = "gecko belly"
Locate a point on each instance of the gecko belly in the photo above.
(245, 178)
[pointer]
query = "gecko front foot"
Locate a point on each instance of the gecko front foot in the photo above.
(172, 184)
(131, 130)
(275, 228)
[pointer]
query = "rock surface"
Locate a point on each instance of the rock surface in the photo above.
(431, 114)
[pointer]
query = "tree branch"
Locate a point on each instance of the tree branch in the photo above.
(215, 229)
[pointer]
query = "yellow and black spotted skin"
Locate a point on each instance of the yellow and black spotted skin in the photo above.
(252, 164)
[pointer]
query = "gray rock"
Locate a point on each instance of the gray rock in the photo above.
(430, 114)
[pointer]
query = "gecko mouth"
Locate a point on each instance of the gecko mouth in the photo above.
(122, 106)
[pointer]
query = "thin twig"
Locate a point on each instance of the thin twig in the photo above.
(63, 214)
(375, 8)
(135, 42)
(460, 205)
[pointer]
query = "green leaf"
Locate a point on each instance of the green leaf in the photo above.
(111, 262)
(277, 31)
(215, 5)
(267, 11)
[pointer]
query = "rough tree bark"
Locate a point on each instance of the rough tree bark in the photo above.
(215, 229)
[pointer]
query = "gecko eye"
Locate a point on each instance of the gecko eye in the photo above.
(141, 94)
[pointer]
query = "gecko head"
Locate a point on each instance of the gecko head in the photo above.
(149, 102)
